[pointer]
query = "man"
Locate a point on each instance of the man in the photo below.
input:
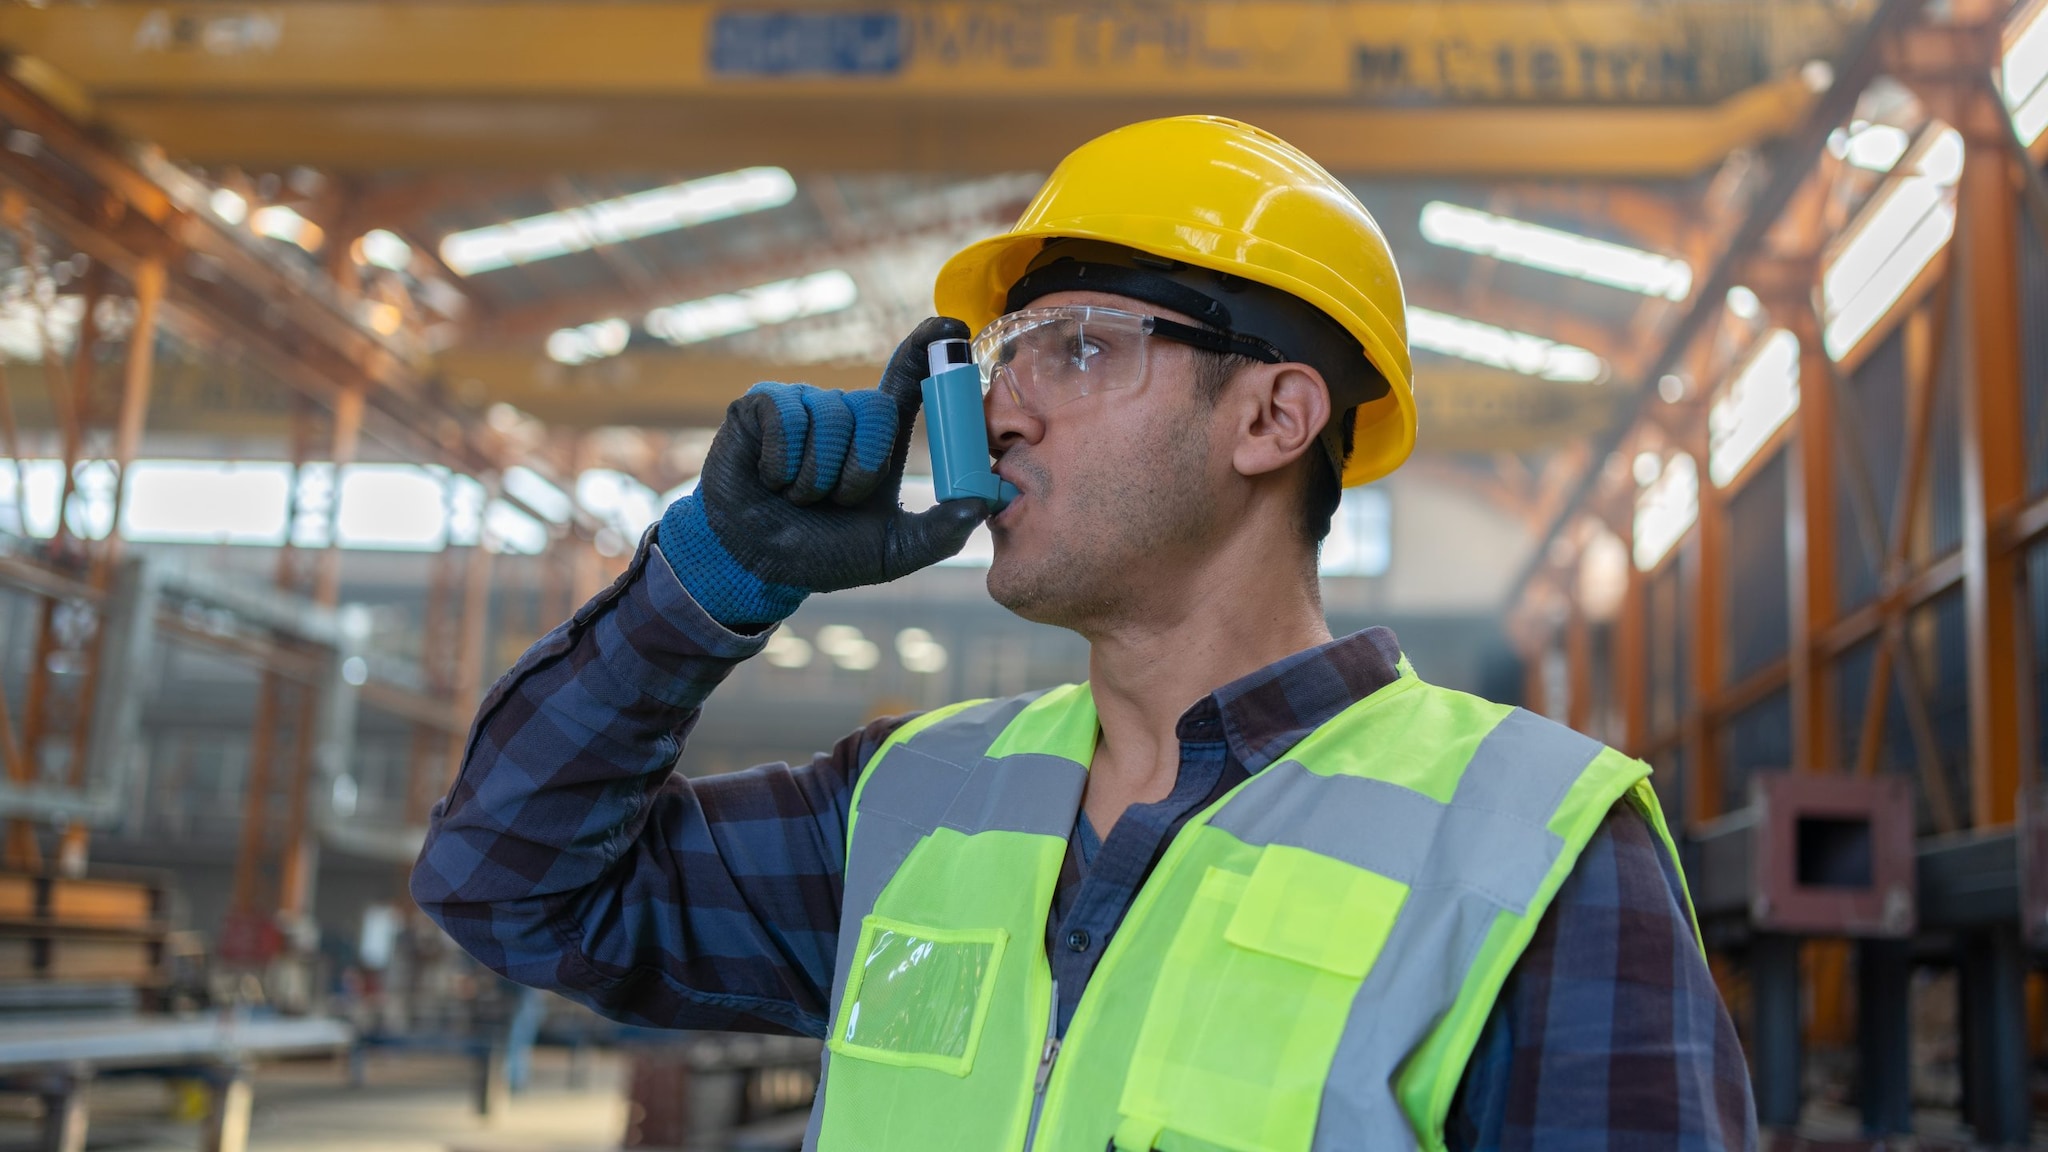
(1250, 887)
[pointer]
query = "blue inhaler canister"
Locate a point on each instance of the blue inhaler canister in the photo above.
(955, 429)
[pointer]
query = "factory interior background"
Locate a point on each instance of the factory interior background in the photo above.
(347, 346)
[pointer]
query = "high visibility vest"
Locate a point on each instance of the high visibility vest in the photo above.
(1308, 967)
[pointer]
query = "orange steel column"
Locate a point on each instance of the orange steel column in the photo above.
(1994, 478)
(271, 698)
(294, 897)
(1631, 650)
(435, 658)
(1578, 654)
(137, 380)
(22, 847)
(469, 650)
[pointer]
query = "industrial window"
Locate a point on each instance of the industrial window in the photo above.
(1939, 527)
(1936, 757)
(387, 507)
(1905, 224)
(1604, 718)
(2037, 614)
(1666, 508)
(1871, 439)
(1851, 676)
(1668, 623)
(1758, 592)
(2034, 341)
(1667, 779)
(1763, 394)
(1756, 739)
(1938, 637)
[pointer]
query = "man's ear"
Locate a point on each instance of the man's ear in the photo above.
(1282, 409)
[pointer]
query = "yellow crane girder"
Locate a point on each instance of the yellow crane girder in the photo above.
(1590, 87)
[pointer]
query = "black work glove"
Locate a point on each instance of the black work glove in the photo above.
(799, 495)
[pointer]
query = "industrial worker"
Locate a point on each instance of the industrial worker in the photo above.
(1250, 887)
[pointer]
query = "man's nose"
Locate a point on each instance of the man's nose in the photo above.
(1008, 421)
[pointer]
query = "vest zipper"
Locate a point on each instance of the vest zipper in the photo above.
(1046, 1057)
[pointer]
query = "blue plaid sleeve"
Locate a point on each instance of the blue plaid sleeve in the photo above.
(569, 855)
(1610, 1032)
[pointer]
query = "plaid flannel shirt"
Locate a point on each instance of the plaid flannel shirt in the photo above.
(570, 855)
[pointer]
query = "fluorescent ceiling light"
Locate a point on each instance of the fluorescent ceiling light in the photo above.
(2025, 78)
(1666, 510)
(593, 341)
(786, 649)
(695, 321)
(538, 493)
(647, 213)
(848, 648)
(1875, 147)
(622, 502)
(385, 249)
(507, 529)
(919, 652)
(1502, 348)
(1551, 250)
(1903, 227)
(228, 205)
(281, 223)
(1761, 397)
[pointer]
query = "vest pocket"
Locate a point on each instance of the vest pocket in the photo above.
(1251, 1000)
(917, 996)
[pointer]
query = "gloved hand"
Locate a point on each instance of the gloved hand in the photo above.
(799, 495)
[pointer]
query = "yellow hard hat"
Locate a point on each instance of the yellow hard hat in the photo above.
(1221, 195)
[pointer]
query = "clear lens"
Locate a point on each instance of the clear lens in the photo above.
(1046, 357)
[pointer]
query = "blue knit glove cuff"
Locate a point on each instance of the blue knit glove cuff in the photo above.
(726, 591)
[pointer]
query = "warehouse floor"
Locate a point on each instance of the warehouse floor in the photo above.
(410, 1103)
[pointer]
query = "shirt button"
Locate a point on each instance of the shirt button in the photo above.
(1078, 940)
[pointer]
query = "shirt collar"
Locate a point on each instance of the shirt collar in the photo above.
(1264, 714)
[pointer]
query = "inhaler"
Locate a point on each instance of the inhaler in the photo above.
(956, 430)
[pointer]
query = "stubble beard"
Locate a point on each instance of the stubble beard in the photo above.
(1122, 519)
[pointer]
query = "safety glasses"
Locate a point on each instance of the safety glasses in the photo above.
(1046, 357)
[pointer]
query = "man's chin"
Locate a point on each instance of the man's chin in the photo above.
(1015, 590)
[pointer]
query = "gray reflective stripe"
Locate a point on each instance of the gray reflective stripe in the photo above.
(1029, 792)
(1525, 766)
(940, 778)
(1517, 777)
(1490, 854)
(1371, 824)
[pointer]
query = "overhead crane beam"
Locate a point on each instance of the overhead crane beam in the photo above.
(1579, 87)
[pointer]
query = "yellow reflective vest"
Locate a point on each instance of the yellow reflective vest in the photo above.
(1308, 967)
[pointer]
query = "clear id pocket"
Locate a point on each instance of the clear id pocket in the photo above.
(918, 997)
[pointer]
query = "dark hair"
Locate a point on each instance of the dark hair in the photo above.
(1213, 373)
